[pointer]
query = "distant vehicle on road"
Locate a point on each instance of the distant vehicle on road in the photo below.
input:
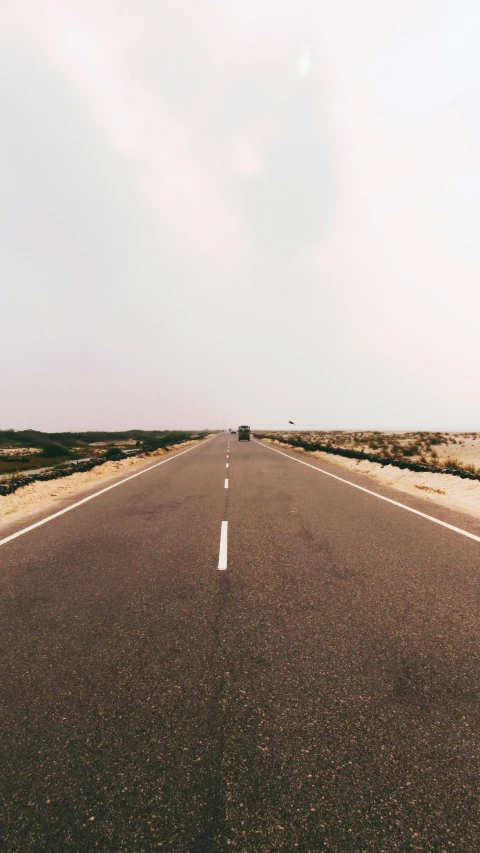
(233, 431)
(244, 433)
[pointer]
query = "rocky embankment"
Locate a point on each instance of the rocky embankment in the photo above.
(349, 453)
(16, 481)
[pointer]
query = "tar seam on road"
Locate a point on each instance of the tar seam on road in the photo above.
(96, 495)
(375, 495)
(222, 556)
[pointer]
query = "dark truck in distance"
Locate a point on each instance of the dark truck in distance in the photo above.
(244, 433)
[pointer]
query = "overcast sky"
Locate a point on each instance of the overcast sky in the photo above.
(217, 212)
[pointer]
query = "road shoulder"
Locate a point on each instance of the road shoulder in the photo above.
(446, 507)
(29, 503)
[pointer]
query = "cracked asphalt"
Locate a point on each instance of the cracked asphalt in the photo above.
(321, 694)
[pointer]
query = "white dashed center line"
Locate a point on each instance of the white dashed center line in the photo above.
(226, 484)
(222, 557)
(226, 465)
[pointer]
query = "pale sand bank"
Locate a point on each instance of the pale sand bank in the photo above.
(46, 496)
(444, 490)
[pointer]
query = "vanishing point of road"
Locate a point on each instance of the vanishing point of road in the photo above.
(235, 651)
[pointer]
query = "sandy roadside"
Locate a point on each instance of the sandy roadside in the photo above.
(442, 489)
(46, 496)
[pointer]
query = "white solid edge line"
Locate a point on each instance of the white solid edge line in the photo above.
(96, 494)
(375, 495)
(222, 556)
(226, 484)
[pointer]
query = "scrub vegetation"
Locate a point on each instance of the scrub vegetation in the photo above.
(30, 450)
(452, 453)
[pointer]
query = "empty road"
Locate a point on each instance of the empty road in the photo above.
(236, 652)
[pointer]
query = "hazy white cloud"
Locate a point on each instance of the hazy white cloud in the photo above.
(214, 211)
(304, 62)
(93, 46)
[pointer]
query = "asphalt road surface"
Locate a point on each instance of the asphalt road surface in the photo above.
(320, 693)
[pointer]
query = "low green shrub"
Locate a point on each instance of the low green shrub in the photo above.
(51, 450)
(113, 452)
